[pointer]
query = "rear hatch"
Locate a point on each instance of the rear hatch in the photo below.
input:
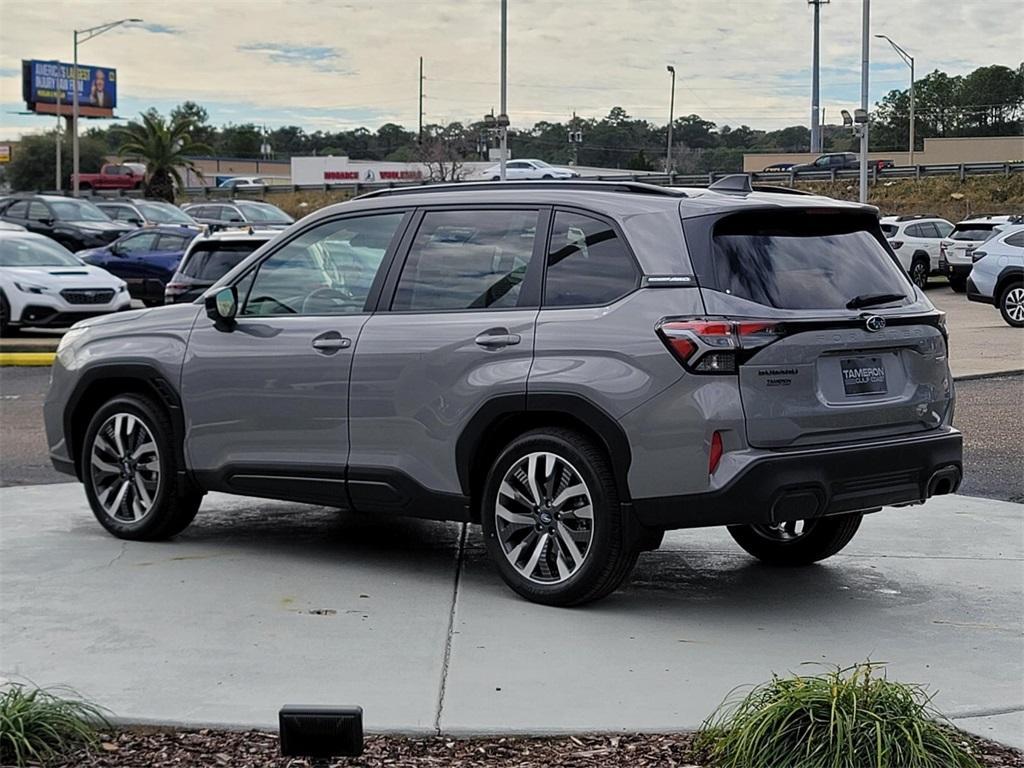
(841, 346)
(206, 263)
(964, 237)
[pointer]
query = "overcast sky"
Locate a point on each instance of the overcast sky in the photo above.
(325, 64)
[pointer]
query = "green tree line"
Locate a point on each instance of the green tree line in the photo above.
(986, 102)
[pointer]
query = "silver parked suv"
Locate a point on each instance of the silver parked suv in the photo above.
(576, 366)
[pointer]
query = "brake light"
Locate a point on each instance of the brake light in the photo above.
(716, 346)
(715, 455)
(896, 244)
(978, 256)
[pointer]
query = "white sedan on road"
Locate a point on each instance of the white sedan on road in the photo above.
(43, 285)
(516, 170)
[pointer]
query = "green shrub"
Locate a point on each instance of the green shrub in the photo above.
(845, 718)
(37, 725)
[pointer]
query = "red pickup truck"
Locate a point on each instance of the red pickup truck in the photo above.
(114, 176)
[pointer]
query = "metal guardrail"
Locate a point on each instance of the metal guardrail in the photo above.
(780, 178)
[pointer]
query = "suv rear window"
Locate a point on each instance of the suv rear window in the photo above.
(972, 231)
(890, 229)
(800, 260)
(210, 261)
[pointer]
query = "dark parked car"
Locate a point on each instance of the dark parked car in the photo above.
(144, 258)
(75, 224)
(209, 258)
(239, 213)
(147, 213)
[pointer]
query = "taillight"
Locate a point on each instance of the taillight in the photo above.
(715, 454)
(716, 346)
(896, 244)
(978, 256)
(173, 290)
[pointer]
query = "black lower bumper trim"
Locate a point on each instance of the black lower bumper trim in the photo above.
(800, 485)
(973, 294)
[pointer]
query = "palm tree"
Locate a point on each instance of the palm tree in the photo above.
(163, 145)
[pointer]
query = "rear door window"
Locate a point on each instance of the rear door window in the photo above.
(211, 260)
(799, 260)
(172, 243)
(473, 259)
(1016, 240)
(588, 263)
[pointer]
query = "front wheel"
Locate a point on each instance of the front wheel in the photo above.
(130, 467)
(6, 329)
(552, 520)
(797, 542)
(1011, 304)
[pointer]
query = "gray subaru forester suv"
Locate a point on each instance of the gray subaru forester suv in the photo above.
(575, 366)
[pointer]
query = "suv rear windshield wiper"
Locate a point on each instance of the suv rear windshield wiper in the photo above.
(872, 299)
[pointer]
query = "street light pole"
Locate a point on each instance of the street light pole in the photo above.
(909, 61)
(83, 35)
(59, 137)
(864, 66)
(671, 118)
(504, 86)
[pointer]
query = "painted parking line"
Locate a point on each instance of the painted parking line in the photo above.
(27, 358)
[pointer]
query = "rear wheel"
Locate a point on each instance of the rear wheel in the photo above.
(6, 329)
(798, 542)
(919, 271)
(958, 283)
(1011, 304)
(131, 470)
(552, 520)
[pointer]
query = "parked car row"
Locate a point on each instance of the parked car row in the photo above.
(144, 245)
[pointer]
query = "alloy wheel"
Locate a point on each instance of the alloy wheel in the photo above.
(789, 531)
(125, 468)
(544, 518)
(919, 274)
(1014, 304)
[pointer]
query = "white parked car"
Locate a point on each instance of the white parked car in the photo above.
(955, 251)
(997, 273)
(916, 240)
(516, 170)
(243, 182)
(42, 284)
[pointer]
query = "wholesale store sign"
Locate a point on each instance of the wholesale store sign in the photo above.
(43, 81)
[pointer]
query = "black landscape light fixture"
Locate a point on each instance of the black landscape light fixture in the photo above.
(321, 732)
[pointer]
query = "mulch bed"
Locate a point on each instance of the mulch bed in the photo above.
(259, 749)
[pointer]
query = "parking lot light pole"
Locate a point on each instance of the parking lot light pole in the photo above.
(909, 61)
(82, 36)
(865, 52)
(504, 87)
(671, 117)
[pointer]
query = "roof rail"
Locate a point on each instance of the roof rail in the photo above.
(912, 216)
(781, 190)
(631, 187)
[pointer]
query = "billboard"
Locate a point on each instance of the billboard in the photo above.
(42, 81)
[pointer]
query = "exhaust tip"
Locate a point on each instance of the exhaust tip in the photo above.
(944, 481)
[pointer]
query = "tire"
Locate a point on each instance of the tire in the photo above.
(589, 557)
(787, 546)
(1011, 304)
(6, 329)
(547, 176)
(120, 425)
(495, 178)
(958, 284)
(919, 269)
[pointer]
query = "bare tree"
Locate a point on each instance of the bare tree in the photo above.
(443, 151)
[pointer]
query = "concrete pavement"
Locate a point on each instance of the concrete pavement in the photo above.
(260, 604)
(980, 343)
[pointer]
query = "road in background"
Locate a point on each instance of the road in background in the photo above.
(990, 412)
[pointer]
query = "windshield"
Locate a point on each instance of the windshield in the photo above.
(211, 260)
(77, 210)
(30, 252)
(164, 213)
(264, 212)
(802, 260)
(972, 231)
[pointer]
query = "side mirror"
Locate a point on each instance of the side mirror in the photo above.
(222, 306)
(136, 221)
(116, 249)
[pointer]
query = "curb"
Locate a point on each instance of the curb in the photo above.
(992, 375)
(26, 359)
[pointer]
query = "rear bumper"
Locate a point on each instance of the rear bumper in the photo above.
(973, 294)
(804, 484)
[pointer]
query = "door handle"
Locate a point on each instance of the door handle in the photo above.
(330, 342)
(496, 338)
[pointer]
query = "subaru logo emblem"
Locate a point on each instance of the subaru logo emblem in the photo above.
(874, 323)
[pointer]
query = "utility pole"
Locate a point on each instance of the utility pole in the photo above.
(671, 118)
(864, 65)
(815, 91)
(419, 134)
(503, 117)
